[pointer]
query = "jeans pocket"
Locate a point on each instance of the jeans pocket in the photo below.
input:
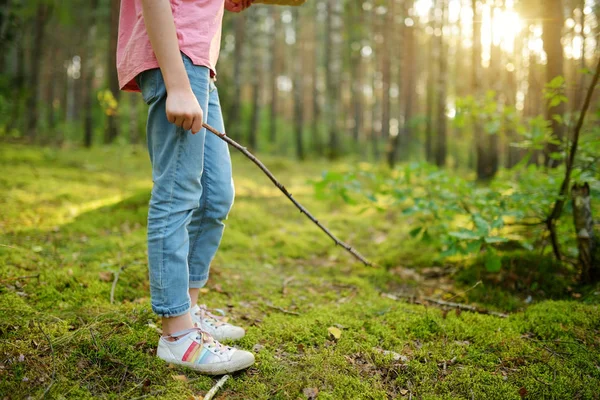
(147, 82)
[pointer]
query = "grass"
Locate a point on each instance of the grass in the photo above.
(71, 219)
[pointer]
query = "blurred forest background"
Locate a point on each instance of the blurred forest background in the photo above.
(385, 80)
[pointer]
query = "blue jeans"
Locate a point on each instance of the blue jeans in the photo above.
(192, 193)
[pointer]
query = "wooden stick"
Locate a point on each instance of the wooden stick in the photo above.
(458, 306)
(303, 210)
(215, 388)
(18, 278)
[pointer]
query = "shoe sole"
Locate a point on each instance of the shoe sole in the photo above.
(216, 368)
(223, 368)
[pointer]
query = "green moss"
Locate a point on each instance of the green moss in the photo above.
(77, 217)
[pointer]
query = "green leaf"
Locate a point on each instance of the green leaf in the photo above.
(482, 225)
(495, 239)
(415, 232)
(493, 263)
(498, 223)
(527, 246)
(452, 251)
(426, 238)
(474, 247)
(555, 101)
(465, 235)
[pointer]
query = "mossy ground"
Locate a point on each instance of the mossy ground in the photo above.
(71, 219)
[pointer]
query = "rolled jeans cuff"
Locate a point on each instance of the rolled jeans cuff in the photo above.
(198, 281)
(173, 311)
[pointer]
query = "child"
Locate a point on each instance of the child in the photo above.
(168, 50)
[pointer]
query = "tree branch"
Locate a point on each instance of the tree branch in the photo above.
(564, 188)
(303, 210)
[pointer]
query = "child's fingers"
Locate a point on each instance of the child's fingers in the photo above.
(187, 123)
(179, 121)
(197, 124)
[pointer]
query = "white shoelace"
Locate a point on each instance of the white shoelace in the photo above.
(203, 337)
(204, 314)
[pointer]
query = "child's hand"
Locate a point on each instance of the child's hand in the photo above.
(183, 110)
(237, 6)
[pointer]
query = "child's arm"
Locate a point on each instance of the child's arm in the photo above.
(182, 106)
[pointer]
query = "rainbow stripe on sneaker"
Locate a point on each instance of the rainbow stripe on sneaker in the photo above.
(195, 353)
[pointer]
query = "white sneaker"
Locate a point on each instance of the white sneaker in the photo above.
(196, 349)
(212, 324)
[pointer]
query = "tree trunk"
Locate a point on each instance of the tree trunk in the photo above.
(333, 62)
(587, 242)
(441, 148)
(582, 80)
(553, 23)
(112, 129)
(386, 72)
(87, 77)
(234, 116)
(274, 73)
(429, 107)
(356, 71)
(478, 135)
(316, 109)
(41, 18)
(298, 88)
(409, 89)
(494, 78)
(254, 118)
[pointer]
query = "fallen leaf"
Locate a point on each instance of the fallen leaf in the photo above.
(336, 333)
(204, 290)
(403, 392)
(257, 347)
(311, 393)
(523, 392)
(106, 276)
(181, 378)
(395, 356)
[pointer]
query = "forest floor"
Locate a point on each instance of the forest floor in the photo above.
(71, 220)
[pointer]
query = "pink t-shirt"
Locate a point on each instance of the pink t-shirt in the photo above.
(198, 24)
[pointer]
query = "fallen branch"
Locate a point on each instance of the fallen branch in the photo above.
(283, 310)
(458, 306)
(215, 388)
(17, 278)
(564, 187)
(303, 210)
(53, 361)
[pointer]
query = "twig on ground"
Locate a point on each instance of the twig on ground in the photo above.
(283, 310)
(303, 210)
(215, 388)
(16, 278)
(53, 361)
(114, 284)
(286, 281)
(458, 306)
(466, 291)
(122, 379)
